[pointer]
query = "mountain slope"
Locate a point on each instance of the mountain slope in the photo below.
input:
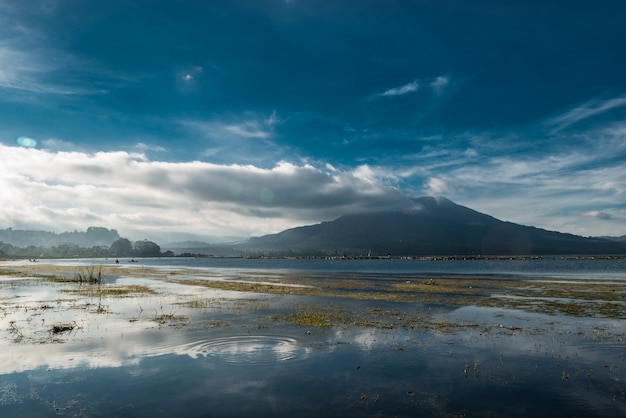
(437, 227)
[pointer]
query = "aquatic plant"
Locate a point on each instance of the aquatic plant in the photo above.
(88, 274)
(169, 318)
(316, 319)
(102, 309)
(313, 318)
(15, 331)
(215, 324)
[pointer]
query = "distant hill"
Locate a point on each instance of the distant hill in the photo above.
(438, 227)
(93, 236)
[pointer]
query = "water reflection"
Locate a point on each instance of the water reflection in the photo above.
(350, 372)
(193, 351)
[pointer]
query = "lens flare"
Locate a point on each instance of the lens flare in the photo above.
(25, 141)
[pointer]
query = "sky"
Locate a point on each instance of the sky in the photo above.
(228, 119)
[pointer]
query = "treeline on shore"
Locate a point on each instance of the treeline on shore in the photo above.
(120, 248)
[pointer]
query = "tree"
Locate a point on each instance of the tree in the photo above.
(147, 248)
(121, 248)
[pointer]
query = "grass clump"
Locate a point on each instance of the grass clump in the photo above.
(315, 319)
(169, 318)
(310, 317)
(88, 274)
(15, 331)
(215, 324)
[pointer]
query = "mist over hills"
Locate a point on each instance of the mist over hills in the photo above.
(95, 242)
(437, 227)
(93, 236)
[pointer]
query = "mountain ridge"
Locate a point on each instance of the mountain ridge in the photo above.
(437, 226)
(434, 226)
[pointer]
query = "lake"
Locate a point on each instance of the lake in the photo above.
(548, 265)
(292, 337)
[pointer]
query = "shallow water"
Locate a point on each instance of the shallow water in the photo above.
(559, 266)
(196, 351)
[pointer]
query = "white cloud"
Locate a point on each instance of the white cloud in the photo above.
(599, 215)
(405, 89)
(244, 126)
(187, 79)
(548, 192)
(57, 144)
(72, 190)
(551, 187)
(272, 119)
(436, 187)
(247, 130)
(32, 72)
(244, 138)
(209, 152)
(148, 147)
(585, 111)
(439, 84)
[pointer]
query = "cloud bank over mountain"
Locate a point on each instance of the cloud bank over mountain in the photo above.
(246, 117)
(135, 194)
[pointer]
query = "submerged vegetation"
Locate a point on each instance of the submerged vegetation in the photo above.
(582, 297)
(552, 296)
(392, 301)
(312, 316)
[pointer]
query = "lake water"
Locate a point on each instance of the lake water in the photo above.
(204, 352)
(548, 265)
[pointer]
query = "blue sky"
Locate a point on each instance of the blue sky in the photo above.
(239, 118)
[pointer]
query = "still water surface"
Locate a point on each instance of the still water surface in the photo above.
(227, 357)
(548, 265)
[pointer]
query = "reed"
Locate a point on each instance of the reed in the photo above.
(89, 274)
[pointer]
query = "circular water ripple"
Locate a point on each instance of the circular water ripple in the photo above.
(248, 349)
